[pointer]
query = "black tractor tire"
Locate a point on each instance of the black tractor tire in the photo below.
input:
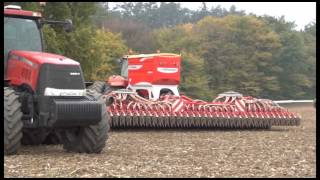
(33, 136)
(53, 138)
(98, 86)
(109, 89)
(90, 139)
(12, 122)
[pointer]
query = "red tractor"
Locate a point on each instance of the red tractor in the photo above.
(146, 95)
(45, 96)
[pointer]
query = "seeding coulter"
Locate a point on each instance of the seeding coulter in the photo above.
(146, 95)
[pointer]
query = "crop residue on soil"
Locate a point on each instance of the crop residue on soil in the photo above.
(279, 152)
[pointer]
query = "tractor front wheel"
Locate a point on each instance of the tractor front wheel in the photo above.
(90, 139)
(12, 122)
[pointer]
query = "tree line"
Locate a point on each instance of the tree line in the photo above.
(222, 49)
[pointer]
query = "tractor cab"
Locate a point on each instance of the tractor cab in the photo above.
(22, 31)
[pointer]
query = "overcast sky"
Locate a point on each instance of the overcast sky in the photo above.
(301, 13)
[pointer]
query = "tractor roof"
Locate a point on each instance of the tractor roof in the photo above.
(18, 12)
(151, 55)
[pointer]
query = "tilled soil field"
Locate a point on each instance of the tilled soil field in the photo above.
(278, 152)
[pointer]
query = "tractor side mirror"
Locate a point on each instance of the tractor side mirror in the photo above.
(67, 26)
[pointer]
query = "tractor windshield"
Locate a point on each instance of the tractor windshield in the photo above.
(21, 34)
(124, 68)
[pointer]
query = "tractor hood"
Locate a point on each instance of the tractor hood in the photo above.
(41, 57)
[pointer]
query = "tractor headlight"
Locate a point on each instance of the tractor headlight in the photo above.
(64, 92)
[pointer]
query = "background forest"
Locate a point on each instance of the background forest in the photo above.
(222, 49)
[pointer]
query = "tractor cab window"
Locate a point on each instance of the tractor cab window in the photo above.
(21, 34)
(124, 68)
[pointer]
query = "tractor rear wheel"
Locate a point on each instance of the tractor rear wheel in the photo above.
(108, 89)
(12, 121)
(53, 138)
(33, 136)
(98, 86)
(90, 139)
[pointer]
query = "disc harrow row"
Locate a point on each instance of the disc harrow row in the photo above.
(131, 110)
